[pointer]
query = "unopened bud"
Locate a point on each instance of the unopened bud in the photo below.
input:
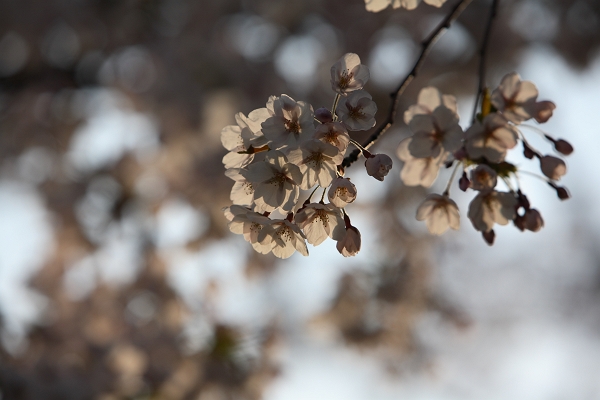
(519, 222)
(563, 147)
(528, 152)
(464, 182)
(533, 220)
(561, 191)
(553, 167)
(489, 236)
(323, 115)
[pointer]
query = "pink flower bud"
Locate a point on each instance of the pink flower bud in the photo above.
(533, 220)
(378, 166)
(563, 147)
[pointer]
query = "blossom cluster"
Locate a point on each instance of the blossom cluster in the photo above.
(439, 141)
(379, 5)
(285, 148)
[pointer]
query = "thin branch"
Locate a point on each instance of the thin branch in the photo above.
(482, 54)
(425, 48)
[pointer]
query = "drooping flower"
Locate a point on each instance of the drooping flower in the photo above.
(275, 182)
(439, 213)
(553, 167)
(530, 220)
(348, 74)
(492, 207)
(349, 244)
(290, 122)
(284, 237)
(342, 192)
(378, 166)
(239, 138)
(517, 100)
(249, 224)
(357, 111)
(429, 99)
(418, 171)
(333, 133)
(379, 5)
(483, 178)
(319, 221)
(317, 161)
(491, 139)
(435, 133)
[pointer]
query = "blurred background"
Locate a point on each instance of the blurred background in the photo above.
(119, 278)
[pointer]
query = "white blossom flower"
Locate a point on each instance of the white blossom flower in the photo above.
(517, 100)
(318, 162)
(492, 207)
(275, 182)
(242, 192)
(378, 5)
(319, 221)
(435, 133)
(483, 178)
(249, 224)
(439, 213)
(429, 99)
(553, 167)
(284, 237)
(348, 74)
(378, 166)
(418, 171)
(333, 133)
(290, 122)
(342, 192)
(349, 245)
(239, 137)
(491, 139)
(357, 111)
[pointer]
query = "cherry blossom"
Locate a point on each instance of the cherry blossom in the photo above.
(517, 100)
(429, 99)
(418, 171)
(249, 223)
(483, 178)
(530, 220)
(240, 137)
(357, 111)
(492, 207)
(290, 122)
(242, 192)
(320, 221)
(349, 244)
(435, 133)
(491, 139)
(275, 182)
(553, 167)
(333, 133)
(378, 5)
(439, 213)
(348, 74)
(317, 161)
(342, 192)
(284, 237)
(378, 166)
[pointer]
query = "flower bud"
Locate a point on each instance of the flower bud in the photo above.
(561, 192)
(533, 220)
(553, 167)
(378, 166)
(489, 236)
(563, 147)
(528, 151)
(463, 182)
(323, 115)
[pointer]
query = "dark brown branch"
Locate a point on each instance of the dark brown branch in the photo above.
(482, 53)
(425, 48)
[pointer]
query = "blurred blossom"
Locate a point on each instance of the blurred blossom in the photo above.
(391, 57)
(177, 223)
(582, 19)
(252, 36)
(533, 20)
(61, 45)
(79, 279)
(131, 67)
(36, 164)
(111, 130)
(297, 59)
(142, 306)
(14, 53)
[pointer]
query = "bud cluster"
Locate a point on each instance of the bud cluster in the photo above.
(277, 151)
(438, 140)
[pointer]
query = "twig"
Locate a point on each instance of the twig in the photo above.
(482, 53)
(425, 48)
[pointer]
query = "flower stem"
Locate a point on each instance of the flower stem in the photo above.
(335, 104)
(323, 195)
(447, 191)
